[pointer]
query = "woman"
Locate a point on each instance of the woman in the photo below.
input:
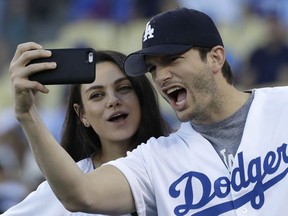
(104, 120)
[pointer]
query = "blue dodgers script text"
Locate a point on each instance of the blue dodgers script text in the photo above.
(257, 170)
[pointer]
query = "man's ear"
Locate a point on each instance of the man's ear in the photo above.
(81, 115)
(218, 57)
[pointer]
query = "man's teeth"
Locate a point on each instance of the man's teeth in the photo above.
(171, 90)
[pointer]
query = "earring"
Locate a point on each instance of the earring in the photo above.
(87, 124)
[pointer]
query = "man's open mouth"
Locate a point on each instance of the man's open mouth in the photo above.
(176, 94)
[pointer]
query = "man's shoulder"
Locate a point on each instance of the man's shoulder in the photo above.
(85, 165)
(184, 132)
(272, 90)
(274, 97)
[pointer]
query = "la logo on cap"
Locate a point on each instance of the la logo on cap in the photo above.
(149, 32)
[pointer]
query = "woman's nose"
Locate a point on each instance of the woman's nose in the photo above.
(113, 101)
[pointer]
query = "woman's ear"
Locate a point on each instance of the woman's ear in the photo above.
(77, 109)
(81, 116)
(218, 57)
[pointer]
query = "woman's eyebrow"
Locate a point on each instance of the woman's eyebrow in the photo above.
(93, 87)
(120, 80)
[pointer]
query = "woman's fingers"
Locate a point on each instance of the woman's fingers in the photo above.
(23, 60)
(20, 70)
(21, 48)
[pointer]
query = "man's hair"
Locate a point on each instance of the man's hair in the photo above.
(226, 69)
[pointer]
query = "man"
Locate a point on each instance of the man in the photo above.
(228, 158)
(185, 54)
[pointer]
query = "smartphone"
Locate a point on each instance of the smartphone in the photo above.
(74, 66)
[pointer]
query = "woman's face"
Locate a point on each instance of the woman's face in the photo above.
(111, 105)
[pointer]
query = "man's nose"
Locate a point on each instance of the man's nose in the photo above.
(162, 75)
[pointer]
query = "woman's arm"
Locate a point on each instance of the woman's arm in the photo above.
(105, 190)
(43, 200)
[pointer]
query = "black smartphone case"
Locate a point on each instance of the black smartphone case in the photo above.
(74, 66)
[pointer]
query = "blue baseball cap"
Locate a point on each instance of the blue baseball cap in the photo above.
(173, 32)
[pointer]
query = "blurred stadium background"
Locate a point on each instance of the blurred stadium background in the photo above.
(105, 24)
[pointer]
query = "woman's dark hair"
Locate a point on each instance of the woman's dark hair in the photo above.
(82, 142)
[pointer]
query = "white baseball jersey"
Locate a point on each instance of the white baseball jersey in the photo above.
(183, 174)
(43, 202)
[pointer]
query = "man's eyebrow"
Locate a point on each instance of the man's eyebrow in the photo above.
(147, 64)
(147, 59)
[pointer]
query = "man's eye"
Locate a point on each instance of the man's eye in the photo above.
(151, 68)
(173, 58)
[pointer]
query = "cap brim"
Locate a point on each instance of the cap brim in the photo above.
(134, 64)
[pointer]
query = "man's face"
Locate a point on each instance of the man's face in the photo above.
(186, 82)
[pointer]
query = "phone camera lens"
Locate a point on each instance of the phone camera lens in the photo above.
(90, 57)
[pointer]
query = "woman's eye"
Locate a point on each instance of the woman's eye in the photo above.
(96, 95)
(125, 88)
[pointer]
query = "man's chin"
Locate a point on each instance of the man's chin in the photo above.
(183, 117)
